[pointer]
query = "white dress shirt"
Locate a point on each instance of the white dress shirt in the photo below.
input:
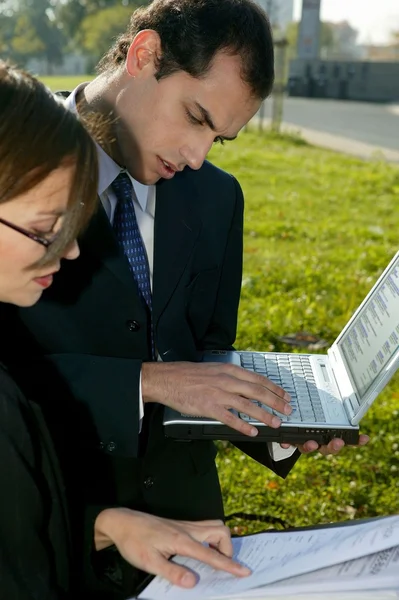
(144, 206)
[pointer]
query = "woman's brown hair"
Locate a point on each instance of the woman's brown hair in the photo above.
(37, 135)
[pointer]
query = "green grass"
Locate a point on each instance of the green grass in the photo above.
(319, 229)
(64, 83)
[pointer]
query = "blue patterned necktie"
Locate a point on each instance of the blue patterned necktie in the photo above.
(128, 235)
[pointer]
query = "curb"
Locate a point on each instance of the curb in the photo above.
(338, 143)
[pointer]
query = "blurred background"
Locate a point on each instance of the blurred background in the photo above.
(69, 36)
(327, 52)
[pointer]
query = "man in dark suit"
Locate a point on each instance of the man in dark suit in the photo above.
(100, 353)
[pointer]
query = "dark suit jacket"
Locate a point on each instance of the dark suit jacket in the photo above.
(80, 349)
(34, 536)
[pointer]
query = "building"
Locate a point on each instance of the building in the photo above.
(281, 12)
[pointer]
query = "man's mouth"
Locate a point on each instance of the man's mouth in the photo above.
(168, 165)
(168, 169)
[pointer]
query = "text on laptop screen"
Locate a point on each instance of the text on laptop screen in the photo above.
(373, 337)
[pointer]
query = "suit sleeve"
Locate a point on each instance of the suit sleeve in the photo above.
(223, 328)
(26, 561)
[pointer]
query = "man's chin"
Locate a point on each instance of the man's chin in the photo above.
(151, 180)
(146, 178)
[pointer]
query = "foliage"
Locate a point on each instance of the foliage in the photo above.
(29, 29)
(25, 39)
(7, 28)
(319, 229)
(76, 16)
(99, 30)
(51, 28)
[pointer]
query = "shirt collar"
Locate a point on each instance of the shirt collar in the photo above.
(108, 168)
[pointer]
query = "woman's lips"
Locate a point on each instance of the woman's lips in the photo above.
(45, 281)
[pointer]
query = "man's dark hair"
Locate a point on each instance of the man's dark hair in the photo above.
(192, 32)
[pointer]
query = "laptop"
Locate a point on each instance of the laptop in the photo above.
(329, 393)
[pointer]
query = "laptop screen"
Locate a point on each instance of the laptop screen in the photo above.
(372, 338)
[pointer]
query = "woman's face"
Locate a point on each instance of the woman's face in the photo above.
(39, 211)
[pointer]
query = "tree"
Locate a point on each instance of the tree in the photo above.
(7, 29)
(25, 41)
(49, 28)
(70, 14)
(28, 29)
(99, 30)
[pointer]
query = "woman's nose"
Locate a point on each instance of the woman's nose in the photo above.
(72, 251)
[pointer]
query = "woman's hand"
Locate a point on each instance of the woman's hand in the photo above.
(147, 542)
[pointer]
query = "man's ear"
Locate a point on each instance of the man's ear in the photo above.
(143, 52)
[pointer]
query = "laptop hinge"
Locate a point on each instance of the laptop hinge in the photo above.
(349, 408)
(346, 399)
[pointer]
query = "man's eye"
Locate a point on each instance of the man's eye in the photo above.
(193, 119)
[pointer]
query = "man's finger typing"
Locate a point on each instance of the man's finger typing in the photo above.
(213, 390)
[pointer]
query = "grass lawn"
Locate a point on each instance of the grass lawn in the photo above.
(319, 229)
(65, 83)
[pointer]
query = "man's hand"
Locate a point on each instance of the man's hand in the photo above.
(211, 389)
(147, 542)
(334, 447)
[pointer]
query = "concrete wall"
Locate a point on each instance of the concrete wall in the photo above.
(355, 80)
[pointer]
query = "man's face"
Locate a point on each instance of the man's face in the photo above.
(164, 126)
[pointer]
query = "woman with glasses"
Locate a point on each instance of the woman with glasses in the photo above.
(48, 165)
(48, 191)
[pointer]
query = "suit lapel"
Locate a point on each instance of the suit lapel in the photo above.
(177, 226)
(99, 240)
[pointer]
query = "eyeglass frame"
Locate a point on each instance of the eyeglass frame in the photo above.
(32, 236)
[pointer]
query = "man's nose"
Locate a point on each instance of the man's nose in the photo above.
(72, 251)
(195, 154)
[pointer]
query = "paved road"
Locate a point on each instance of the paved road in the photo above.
(375, 124)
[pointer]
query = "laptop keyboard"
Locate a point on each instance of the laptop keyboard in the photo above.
(292, 372)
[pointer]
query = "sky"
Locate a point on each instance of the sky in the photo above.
(373, 19)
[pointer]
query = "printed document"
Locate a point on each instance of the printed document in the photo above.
(276, 556)
(377, 571)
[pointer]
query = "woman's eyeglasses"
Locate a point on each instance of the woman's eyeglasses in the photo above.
(32, 236)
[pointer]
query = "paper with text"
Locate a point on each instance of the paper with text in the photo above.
(377, 571)
(349, 595)
(276, 556)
